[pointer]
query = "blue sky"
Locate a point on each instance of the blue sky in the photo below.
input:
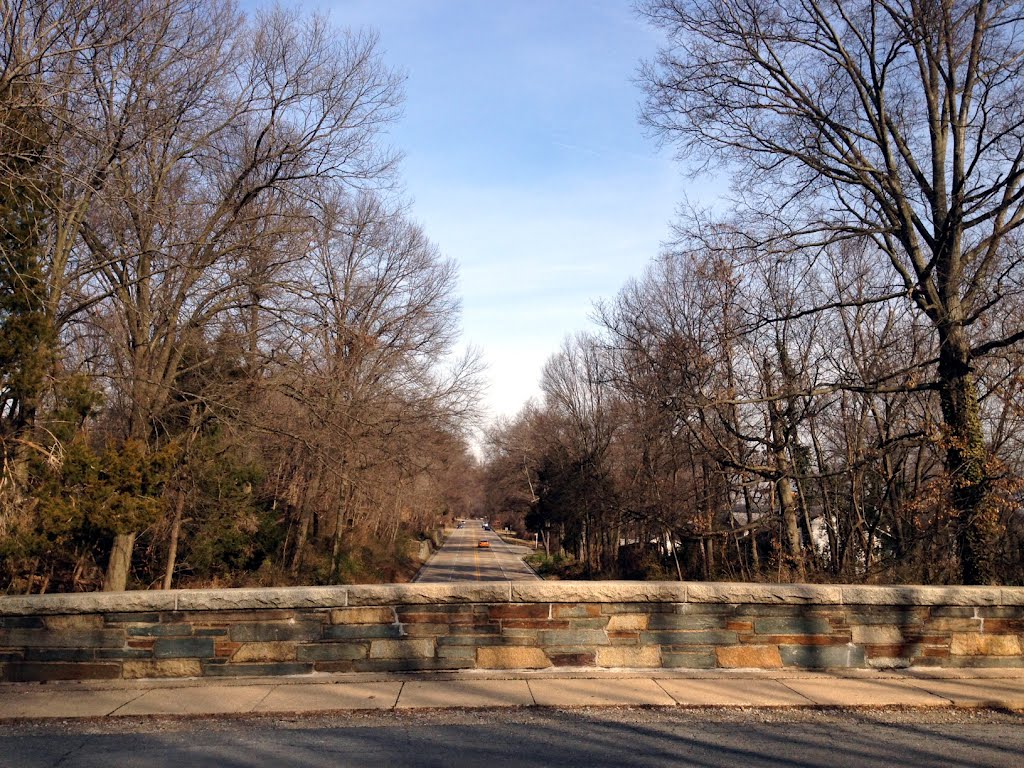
(525, 162)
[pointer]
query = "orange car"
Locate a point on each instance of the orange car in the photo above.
(483, 544)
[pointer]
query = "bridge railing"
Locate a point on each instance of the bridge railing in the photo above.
(506, 625)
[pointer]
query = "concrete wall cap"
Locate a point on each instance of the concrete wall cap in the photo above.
(86, 602)
(921, 595)
(763, 594)
(598, 592)
(427, 594)
(501, 592)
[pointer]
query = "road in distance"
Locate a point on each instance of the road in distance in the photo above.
(462, 559)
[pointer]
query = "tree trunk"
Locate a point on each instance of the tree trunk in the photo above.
(977, 515)
(116, 579)
(172, 547)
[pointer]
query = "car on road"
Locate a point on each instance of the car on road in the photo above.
(482, 544)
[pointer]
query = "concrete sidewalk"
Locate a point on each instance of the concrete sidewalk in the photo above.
(997, 688)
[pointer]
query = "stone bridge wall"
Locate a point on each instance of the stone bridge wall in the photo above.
(253, 632)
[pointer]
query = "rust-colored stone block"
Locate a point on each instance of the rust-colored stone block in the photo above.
(534, 624)
(576, 611)
(1004, 626)
(798, 639)
(749, 656)
(521, 611)
(624, 638)
(224, 649)
(740, 626)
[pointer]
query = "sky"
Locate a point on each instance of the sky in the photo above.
(525, 162)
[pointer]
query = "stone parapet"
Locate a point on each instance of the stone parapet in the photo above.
(502, 625)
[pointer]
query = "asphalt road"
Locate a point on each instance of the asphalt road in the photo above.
(750, 738)
(461, 559)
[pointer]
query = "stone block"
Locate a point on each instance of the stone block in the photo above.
(973, 644)
(520, 611)
(573, 659)
(1011, 596)
(62, 654)
(904, 616)
(77, 638)
(417, 648)
(955, 611)
(259, 632)
(425, 630)
(611, 609)
(707, 637)
(474, 640)
(575, 611)
(822, 656)
(684, 621)
(628, 621)
(982, 662)
(474, 629)
(748, 656)
(645, 656)
(159, 630)
(123, 653)
(573, 637)
(464, 652)
(876, 634)
(453, 619)
(1004, 626)
(359, 631)
(183, 647)
(381, 615)
(332, 652)
(134, 669)
(696, 659)
(74, 622)
(409, 665)
(33, 672)
(132, 618)
(272, 651)
(740, 626)
(257, 670)
(792, 625)
(519, 624)
(836, 639)
(511, 658)
(951, 624)
(624, 638)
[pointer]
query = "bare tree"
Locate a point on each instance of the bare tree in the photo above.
(898, 122)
